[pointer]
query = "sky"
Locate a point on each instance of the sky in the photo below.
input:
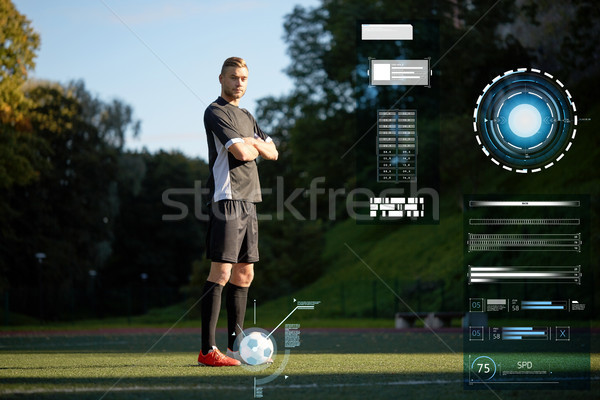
(162, 57)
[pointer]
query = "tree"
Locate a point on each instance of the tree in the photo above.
(145, 241)
(68, 212)
(18, 44)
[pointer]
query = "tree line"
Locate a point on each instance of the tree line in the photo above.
(70, 190)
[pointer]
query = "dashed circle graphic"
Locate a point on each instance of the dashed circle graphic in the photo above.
(525, 120)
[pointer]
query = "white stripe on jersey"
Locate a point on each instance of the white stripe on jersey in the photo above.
(220, 171)
(231, 141)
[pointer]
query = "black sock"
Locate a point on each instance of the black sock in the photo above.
(236, 299)
(210, 308)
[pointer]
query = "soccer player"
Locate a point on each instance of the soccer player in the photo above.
(234, 143)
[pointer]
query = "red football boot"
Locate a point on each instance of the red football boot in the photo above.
(215, 358)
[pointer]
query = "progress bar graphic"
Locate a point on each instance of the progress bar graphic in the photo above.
(544, 305)
(524, 333)
(524, 242)
(501, 203)
(525, 274)
(524, 221)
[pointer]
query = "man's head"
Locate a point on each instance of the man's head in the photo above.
(233, 79)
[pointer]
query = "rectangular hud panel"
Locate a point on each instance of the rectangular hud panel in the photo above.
(399, 72)
(386, 32)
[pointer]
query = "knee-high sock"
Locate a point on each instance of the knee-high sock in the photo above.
(210, 308)
(236, 299)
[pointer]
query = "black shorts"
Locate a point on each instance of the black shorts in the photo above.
(232, 232)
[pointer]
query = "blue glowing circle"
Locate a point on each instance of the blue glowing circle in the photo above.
(486, 374)
(525, 120)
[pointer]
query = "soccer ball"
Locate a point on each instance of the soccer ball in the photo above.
(256, 348)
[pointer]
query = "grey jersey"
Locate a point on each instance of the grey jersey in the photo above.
(231, 178)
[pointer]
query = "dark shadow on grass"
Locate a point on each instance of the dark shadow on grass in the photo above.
(312, 341)
(369, 341)
(420, 386)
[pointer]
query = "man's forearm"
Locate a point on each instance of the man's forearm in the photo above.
(244, 151)
(268, 151)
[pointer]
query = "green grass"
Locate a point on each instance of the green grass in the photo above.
(347, 288)
(330, 364)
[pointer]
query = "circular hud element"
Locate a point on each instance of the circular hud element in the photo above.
(525, 120)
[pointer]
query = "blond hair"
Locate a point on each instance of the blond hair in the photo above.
(235, 62)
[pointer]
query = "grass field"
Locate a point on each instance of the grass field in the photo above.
(330, 364)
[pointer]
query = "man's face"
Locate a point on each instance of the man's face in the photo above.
(233, 82)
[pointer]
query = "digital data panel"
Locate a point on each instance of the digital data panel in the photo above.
(397, 130)
(396, 145)
(528, 285)
(400, 72)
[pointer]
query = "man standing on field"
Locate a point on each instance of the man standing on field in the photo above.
(234, 143)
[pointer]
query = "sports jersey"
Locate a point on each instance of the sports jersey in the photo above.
(231, 178)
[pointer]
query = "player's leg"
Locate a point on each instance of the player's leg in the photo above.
(237, 299)
(211, 305)
(211, 302)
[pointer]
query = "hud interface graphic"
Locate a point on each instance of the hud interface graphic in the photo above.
(528, 284)
(398, 121)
